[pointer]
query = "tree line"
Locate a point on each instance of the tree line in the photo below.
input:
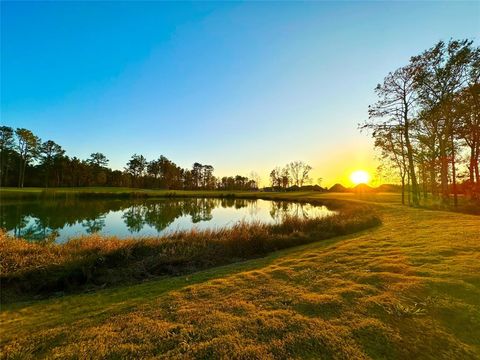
(291, 176)
(426, 122)
(27, 161)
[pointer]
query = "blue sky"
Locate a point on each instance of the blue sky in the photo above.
(241, 86)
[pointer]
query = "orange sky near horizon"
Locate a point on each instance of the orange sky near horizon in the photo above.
(333, 167)
(338, 168)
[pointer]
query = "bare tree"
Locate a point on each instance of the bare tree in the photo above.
(395, 108)
(299, 172)
(256, 178)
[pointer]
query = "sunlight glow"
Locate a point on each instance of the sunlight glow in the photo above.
(360, 177)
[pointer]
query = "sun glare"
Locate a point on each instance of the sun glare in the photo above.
(360, 177)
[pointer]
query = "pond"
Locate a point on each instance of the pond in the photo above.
(64, 219)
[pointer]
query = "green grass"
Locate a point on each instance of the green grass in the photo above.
(408, 289)
(115, 192)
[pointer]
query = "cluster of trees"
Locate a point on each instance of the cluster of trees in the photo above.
(294, 174)
(238, 183)
(426, 122)
(27, 161)
(163, 173)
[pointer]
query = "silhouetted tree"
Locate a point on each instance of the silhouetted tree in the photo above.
(441, 72)
(467, 109)
(255, 178)
(299, 172)
(27, 147)
(395, 107)
(50, 152)
(7, 143)
(276, 177)
(153, 169)
(433, 104)
(98, 160)
(136, 167)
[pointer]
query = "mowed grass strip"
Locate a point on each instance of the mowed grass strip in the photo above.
(409, 289)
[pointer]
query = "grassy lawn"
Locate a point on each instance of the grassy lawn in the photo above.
(408, 289)
(17, 193)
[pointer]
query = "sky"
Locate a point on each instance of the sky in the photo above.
(241, 86)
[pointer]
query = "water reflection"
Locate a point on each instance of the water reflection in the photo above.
(281, 209)
(63, 219)
(94, 225)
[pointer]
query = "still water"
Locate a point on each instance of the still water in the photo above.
(35, 220)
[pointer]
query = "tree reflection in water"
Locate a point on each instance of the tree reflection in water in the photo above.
(159, 215)
(37, 220)
(281, 209)
(94, 225)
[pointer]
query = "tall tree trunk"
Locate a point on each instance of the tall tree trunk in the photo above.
(7, 167)
(471, 169)
(23, 172)
(61, 177)
(444, 172)
(477, 172)
(454, 180)
(409, 189)
(411, 165)
(20, 170)
(424, 181)
(433, 180)
(403, 189)
(46, 177)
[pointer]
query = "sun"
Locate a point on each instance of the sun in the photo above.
(360, 177)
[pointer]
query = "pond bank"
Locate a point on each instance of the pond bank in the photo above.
(45, 268)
